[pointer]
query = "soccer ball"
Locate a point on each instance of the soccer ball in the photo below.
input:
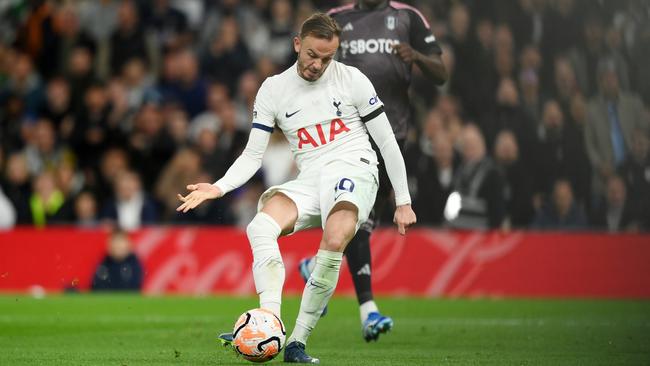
(259, 335)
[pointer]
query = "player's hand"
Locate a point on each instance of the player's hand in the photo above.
(199, 193)
(404, 217)
(406, 52)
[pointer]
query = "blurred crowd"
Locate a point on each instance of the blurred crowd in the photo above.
(109, 108)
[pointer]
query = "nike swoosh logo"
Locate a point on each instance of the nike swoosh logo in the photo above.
(290, 114)
(337, 196)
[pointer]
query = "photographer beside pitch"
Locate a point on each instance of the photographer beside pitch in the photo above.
(326, 110)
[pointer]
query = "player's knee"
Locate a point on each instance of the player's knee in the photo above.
(262, 225)
(334, 243)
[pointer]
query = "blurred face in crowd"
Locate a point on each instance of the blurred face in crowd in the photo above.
(119, 246)
(281, 11)
(96, 98)
(188, 68)
(65, 177)
(616, 192)
(552, 116)
(80, 61)
(248, 85)
(529, 83)
(565, 78)
(127, 16)
(85, 206)
(530, 58)
(473, 145)
(459, 20)
(218, 96)
(17, 171)
(228, 35)
(507, 93)
(44, 137)
(114, 162)
(150, 120)
(207, 140)
(506, 150)
(177, 125)
(228, 116)
(22, 67)
(443, 151)
(433, 125)
(485, 33)
(134, 72)
(45, 185)
(58, 94)
(66, 21)
(127, 185)
(609, 83)
(579, 109)
(314, 55)
(563, 197)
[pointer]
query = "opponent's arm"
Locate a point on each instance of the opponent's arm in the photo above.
(381, 132)
(430, 65)
(422, 49)
(239, 173)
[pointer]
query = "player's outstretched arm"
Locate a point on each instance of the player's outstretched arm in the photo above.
(382, 133)
(239, 173)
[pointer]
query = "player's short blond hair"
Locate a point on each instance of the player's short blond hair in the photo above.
(320, 25)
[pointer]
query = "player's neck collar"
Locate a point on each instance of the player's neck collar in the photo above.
(358, 6)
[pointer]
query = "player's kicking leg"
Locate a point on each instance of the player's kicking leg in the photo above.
(278, 216)
(339, 229)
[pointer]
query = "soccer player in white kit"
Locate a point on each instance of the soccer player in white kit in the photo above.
(326, 110)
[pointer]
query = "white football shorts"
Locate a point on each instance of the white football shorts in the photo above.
(316, 191)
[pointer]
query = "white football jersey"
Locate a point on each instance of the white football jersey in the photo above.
(321, 119)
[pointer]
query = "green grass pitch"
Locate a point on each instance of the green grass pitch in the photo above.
(132, 330)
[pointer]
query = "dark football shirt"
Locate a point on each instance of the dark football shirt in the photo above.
(367, 41)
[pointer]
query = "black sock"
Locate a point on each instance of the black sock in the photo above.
(358, 255)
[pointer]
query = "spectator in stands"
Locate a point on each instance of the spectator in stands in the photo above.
(91, 134)
(65, 36)
(7, 212)
(562, 213)
(636, 174)
(558, 153)
(227, 57)
(479, 184)
(120, 270)
(617, 213)
(613, 118)
(58, 106)
(189, 88)
(132, 207)
(586, 55)
(434, 173)
(48, 205)
(129, 39)
(169, 24)
(17, 186)
(150, 144)
(518, 182)
(113, 162)
(23, 82)
(43, 152)
(85, 210)
(183, 169)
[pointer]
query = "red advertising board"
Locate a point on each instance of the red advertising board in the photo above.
(200, 260)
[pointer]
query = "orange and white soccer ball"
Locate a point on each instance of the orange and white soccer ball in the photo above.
(259, 335)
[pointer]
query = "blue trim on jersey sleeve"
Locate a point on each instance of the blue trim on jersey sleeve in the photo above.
(262, 127)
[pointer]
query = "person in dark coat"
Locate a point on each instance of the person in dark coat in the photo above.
(120, 270)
